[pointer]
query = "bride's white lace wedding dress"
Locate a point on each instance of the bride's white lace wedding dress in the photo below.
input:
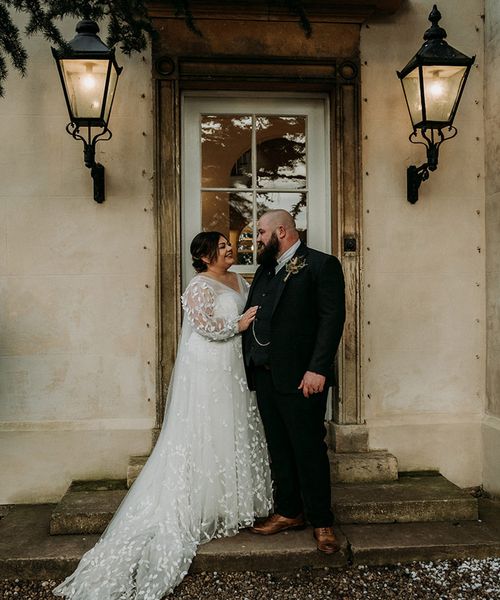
(208, 475)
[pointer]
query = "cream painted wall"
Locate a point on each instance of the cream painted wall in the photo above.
(424, 349)
(77, 358)
(491, 424)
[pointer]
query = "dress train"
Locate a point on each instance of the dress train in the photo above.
(208, 475)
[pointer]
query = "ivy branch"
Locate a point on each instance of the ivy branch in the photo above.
(128, 24)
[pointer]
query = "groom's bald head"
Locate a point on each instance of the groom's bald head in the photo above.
(279, 218)
(276, 232)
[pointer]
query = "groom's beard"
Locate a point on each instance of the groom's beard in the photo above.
(268, 253)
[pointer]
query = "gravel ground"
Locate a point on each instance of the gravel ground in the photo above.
(444, 580)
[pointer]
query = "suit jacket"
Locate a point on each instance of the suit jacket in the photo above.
(307, 320)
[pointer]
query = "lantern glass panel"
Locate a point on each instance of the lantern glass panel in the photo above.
(442, 85)
(113, 80)
(85, 81)
(411, 88)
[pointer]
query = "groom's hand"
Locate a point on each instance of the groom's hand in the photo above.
(312, 383)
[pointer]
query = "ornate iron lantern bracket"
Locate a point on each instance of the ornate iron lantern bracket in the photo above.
(433, 82)
(415, 175)
(89, 75)
(96, 169)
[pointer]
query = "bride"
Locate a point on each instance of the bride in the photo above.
(208, 475)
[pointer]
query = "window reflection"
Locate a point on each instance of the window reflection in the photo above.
(231, 213)
(224, 140)
(281, 152)
(294, 203)
(251, 164)
(241, 173)
(246, 245)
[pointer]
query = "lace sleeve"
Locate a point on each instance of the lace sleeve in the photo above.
(198, 302)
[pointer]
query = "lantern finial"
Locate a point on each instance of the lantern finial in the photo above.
(435, 32)
(87, 27)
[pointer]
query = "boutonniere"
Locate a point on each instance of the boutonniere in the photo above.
(294, 265)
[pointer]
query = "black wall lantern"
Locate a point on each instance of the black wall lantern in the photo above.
(89, 74)
(433, 82)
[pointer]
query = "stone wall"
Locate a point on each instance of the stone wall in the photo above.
(491, 425)
(424, 350)
(77, 358)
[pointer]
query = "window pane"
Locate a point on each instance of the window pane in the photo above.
(442, 85)
(245, 245)
(226, 158)
(411, 87)
(231, 213)
(295, 203)
(85, 82)
(113, 80)
(281, 152)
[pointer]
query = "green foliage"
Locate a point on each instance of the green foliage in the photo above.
(129, 24)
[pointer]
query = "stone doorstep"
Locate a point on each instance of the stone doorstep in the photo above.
(28, 551)
(135, 464)
(4, 509)
(348, 467)
(406, 542)
(87, 507)
(410, 499)
(376, 466)
(286, 551)
(347, 438)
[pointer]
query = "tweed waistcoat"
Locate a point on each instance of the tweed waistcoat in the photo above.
(264, 294)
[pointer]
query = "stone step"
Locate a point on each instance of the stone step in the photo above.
(285, 551)
(347, 438)
(87, 507)
(135, 464)
(355, 467)
(27, 551)
(4, 509)
(388, 544)
(347, 467)
(409, 499)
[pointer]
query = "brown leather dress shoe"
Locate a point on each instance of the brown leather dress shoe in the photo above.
(276, 523)
(326, 540)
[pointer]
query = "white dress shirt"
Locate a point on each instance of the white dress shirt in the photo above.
(286, 256)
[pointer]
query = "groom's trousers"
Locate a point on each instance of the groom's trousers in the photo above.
(295, 432)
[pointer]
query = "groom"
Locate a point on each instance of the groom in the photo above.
(289, 353)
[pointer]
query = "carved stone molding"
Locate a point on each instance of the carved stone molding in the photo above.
(338, 11)
(225, 59)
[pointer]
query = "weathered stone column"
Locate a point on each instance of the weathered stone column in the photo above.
(350, 457)
(347, 410)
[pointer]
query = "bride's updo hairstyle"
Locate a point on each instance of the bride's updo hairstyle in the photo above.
(205, 245)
